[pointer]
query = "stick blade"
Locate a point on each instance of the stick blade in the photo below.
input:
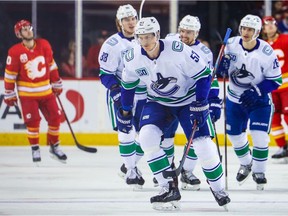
(172, 173)
(86, 148)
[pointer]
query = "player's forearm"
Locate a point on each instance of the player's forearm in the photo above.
(203, 88)
(127, 98)
(108, 80)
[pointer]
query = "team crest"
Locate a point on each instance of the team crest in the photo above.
(23, 58)
(241, 77)
(165, 86)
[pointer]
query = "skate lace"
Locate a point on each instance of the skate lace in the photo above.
(280, 151)
(57, 150)
(190, 175)
(220, 194)
(164, 189)
(131, 173)
(244, 169)
(138, 172)
(36, 153)
(259, 175)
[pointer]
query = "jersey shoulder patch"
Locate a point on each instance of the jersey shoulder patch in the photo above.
(112, 41)
(205, 49)
(177, 46)
(267, 50)
(129, 56)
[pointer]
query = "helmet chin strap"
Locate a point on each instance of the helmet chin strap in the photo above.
(154, 48)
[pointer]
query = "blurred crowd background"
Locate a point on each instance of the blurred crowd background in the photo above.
(56, 22)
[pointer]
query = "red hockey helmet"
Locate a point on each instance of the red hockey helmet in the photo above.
(267, 19)
(19, 25)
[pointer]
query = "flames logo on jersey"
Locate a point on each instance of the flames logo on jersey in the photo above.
(164, 83)
(35, 68)
(241, 77)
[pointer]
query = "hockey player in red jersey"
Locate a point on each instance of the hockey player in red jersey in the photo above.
(30, 68)
(279, 43)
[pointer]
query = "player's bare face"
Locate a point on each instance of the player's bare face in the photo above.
(128, 25)
(247, 34)
(187, 36)
(147, 41)
(27, 33)
(270, 28)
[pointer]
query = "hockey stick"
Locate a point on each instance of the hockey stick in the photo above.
(225, 133)
(227, 35)
(177, 171)
(84, 148)
(221, 52)
(141, 8)
(217, 142)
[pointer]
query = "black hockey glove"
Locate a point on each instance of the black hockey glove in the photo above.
(215, 108)
(199, 112)
(224, 66)
(249, 97)
(115, 94)
(124, 123)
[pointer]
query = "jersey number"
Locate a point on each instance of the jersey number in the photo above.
(195, 56)
(104, 57)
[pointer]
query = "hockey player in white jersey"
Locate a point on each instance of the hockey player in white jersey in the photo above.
(111, 66)
(178, 89)
(254, 72)
(188, 31)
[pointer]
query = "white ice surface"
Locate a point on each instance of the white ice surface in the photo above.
(89, 185)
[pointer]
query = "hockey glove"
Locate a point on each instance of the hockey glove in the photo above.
(124, 123)
(224, 66)
(115, 94)
(10, 98)
(199, 112)
(57, 87)
(249, 97)
(215, 108)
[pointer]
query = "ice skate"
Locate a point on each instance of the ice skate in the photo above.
(189, 181)
(134, 178)
(36, 156)
(282, 153)
(260, 180)
(222, 198)
(243, 173)
(123, 171)
(167, 199)
(57, 154)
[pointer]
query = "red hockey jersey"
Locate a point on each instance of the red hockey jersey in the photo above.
(31, 69)
(280, 46)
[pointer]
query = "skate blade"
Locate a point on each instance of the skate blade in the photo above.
(37, 163)
(185, 186)
(135, 187)
(121, 175)
(57, 159)
(225, 207)
(168, 206)
(260, 187)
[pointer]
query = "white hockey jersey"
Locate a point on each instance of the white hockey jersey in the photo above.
(199, 47)
(170, 78)
(112, 53)
(250, 67)
(111, 58)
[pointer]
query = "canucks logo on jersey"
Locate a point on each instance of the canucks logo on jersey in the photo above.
(165, 86)
(241, 77)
